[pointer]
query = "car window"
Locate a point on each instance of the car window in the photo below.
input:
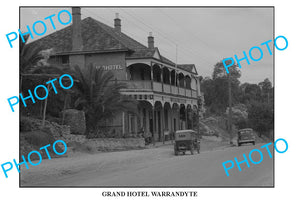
(246, 132)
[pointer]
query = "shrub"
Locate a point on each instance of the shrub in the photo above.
(35, 140)
(39, 138)
(54, 119)
(25, 124)
(103, 132)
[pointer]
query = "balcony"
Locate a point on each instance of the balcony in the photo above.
(140, 86)
(157, 87)
(174, 90)
(194, 93)
(167, 88)
(188, 92)
(182, 91)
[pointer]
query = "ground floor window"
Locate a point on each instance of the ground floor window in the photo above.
(132, 124)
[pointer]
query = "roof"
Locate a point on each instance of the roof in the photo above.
(96, 36)
(188, 67)
(99, 37)
(142, 53)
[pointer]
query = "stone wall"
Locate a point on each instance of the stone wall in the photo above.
(78, 143)
(105, 144)
(113, 144)
(29, 124)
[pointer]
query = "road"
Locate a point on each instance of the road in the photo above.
(153, 167)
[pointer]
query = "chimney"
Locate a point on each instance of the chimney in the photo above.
(150, 41)
(76, 29)
(117, 23)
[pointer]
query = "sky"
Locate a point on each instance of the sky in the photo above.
(200, 36)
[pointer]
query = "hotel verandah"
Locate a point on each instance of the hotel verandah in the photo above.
(167, 93)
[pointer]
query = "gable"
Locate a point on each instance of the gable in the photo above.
(194, 70)
(156, 54)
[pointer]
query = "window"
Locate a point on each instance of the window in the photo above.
(65, 59)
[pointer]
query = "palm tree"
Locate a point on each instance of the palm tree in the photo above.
(100, 96)
(34, 68)
(30, 55)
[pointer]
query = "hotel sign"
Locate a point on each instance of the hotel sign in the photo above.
(110, 67)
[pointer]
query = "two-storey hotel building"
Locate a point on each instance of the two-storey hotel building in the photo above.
(167, 93)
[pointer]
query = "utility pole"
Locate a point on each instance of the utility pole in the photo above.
(230, 109)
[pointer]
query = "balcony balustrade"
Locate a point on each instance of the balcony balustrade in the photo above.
(174, 90)
(181, 91)
(167, 88)
(144, 85)
(159, 87)
(188, 93)
(194, 93)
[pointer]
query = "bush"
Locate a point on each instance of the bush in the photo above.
(54, 119)
(25, 124)
(242, 124)
(39, 138)
(35, 140)
(261, 117)
(81, 147)
(76, 120)
(103, 132)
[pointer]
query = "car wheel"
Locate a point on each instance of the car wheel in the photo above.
(184, 153)
(253, 143)
(239, 144)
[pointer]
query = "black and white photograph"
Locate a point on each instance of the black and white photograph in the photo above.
(152, 106)
(147, 97)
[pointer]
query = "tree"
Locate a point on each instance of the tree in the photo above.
(250, 92)
(239, 116)
(220, 71)
(261, 117)
(207, 87)
(31, 58)
(265, 85)
(256, 99)
(99, 95)
(267, 90)
(30, 55)
(216, 89)
(35, 70)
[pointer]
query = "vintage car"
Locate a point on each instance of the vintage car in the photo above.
(186, 140)
(246, 136)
